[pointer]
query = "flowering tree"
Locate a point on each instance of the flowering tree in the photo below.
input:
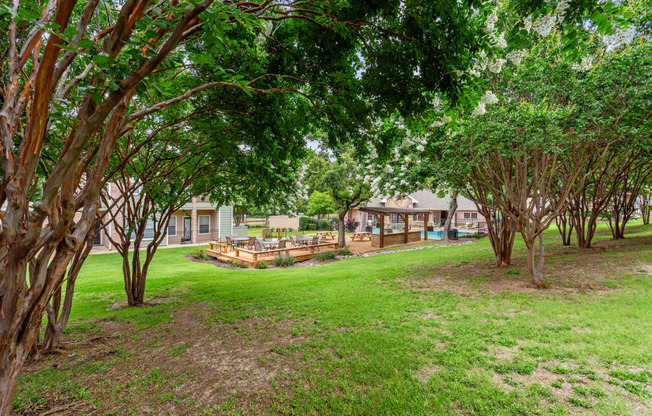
(73, 73)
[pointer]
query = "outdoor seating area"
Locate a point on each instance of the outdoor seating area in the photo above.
(254, 249)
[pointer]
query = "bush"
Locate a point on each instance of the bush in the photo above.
(199, 254)
(312, 227)
(325, 225)
(232, 263)
(303, 222)
(243, 264)
(284, 261)
(325, 256)
(344, 251)
(262, 264)
(290, 230)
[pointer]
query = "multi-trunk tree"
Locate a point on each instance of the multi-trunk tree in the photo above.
(72, 74)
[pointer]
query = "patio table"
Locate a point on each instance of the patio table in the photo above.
(270, 243)
(240, 240)
(304, 240)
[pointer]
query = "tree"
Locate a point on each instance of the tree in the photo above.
(343, 180)
(64, 104)
(320, 203)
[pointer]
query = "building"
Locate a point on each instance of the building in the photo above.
(466, 214)
(198, 221)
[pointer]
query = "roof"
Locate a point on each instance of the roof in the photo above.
(427, 200)
(392, 210)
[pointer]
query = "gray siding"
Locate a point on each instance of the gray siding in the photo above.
(226, 221)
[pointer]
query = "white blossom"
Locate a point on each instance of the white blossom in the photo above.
(500, 41)
(420, 148)
(517, 56)
(388, 169)
(585, 65)
(490, 23)
(479, 110)
(497, 66)
(544, 24)
(527, 23)
(489, 98)
(374, 154)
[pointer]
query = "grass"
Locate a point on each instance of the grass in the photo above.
(352, 338)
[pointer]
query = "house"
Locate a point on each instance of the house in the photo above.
(198, 221)
(467, 212)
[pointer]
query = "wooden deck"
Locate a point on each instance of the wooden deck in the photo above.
(222, 252)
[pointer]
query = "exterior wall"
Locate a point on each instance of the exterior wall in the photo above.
(284, 221)
(213, 233)
(463, 221)
(225, 216)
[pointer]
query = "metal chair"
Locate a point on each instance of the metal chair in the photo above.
(250, 243)
(281, 244)
(229, 242)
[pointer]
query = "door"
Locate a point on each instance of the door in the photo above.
(444, 215)
(98, 234)
(186, 229)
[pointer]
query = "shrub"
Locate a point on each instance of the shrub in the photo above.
(312, 227)
(303, 222)
(290, 230)
(232, 263)
(325, 256)
(344, 251)
(199, 254)
(325, 225)
(284, 261)
(262, 264)
(243, 264)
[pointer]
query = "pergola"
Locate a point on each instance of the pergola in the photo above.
(381, 212)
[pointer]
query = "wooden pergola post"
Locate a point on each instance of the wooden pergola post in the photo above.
(425, 226)
(405, 232)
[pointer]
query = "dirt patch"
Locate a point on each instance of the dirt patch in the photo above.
(569, 271)
(426, 373)
(192, 363)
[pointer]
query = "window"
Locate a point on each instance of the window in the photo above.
(370, 216)
(467, 215)
(204, 224)
(149, 231)
(172, 226)
(470, 215)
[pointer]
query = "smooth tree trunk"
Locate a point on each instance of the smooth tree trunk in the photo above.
(534, 267)
(501, 237)
(341, 230)
(449, 218)
(565, 226)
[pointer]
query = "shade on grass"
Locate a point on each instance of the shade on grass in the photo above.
(369, 335)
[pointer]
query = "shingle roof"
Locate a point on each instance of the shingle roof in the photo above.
(429, 200)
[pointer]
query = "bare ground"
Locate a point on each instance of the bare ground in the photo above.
(176, 368)
(568, 271)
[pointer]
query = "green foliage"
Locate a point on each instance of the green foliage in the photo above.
(325, 256)
(312, 227)
(344, 251)
(642, 377)
(518, 365)
(320, 203)
(199, 254)
(178, 350)
(261, 264)
(283, 260)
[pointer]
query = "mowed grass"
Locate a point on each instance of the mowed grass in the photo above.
(364, 337)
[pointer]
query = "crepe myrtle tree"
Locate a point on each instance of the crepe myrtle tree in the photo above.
(72, 69)
(343, 180)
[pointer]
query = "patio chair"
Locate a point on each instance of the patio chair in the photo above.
(258, 246)
(292, 241)
(230, 242)
(281, 244)
(250, 243)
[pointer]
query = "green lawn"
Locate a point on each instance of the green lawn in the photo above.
(429, 332)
